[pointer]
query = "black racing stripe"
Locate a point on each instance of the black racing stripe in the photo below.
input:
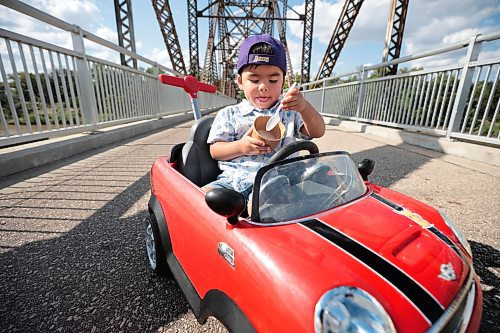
(448, 241)
(419, 296)
(387, 202)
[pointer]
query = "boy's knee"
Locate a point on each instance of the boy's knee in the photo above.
(206, 189)
(249, 207)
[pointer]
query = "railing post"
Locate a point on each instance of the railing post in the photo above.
(463, 87)
(361, 96)
(323, 98)
(88, 101)
(156, 71)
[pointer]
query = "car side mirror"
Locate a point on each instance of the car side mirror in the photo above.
(226, 202)
(365, 168)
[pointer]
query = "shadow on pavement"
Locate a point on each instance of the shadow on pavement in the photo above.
(40, 170)
(391, 164)
(95, 278)
(486, 261)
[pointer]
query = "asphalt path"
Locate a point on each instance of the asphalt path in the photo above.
(72, 255)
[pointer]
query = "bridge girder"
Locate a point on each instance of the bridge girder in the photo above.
(236, 20)
(282, 34)
(209, 73)
(346, 20)
(167, 27)
(194, 67)
(307, 40)
(125, 28)
(394, 34)
(258, 16)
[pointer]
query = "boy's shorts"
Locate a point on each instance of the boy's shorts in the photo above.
(224, 182)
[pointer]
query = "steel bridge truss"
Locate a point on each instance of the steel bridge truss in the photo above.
(236, 20)
(393, 40)
(346, 20)
(230, 22)
(394, 34)
(125, 28)
(167, 27)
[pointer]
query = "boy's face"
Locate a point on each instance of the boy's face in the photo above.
(262, 85)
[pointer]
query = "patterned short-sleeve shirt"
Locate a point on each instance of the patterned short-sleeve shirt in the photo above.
(232, 122)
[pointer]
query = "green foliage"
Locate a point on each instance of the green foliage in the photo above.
(150, 70)
(42, 92)
(476, 112)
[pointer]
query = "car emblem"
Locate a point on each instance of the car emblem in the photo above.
(227, 253)
(447, 272)
(415, 218)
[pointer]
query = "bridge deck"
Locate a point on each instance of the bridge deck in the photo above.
(71, 233)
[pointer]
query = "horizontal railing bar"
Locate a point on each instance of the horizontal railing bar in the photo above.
(90, 36)
(34, 42)
(122, 67)
(330, 78)
(445, 49)
(488, 37)
(401, 75)
(476, 138)
(342, 85)
(54, 21)
(39, 15)
(484, 62)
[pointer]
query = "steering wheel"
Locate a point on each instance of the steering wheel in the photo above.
(293, 148)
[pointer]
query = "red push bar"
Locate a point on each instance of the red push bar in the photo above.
(190, 85)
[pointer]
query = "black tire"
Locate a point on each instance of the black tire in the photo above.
(156, 253)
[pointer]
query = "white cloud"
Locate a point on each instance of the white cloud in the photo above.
(160, 56)
(107, 34)
(84, 13)
(295, 50)
(370, 20)
(430, 24)
(81, 12)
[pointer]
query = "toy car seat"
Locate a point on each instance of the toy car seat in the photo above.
(193, 157)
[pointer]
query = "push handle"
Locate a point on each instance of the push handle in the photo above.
(189, 83)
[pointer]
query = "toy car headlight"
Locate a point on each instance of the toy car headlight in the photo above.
(349, 309)
(461, 238)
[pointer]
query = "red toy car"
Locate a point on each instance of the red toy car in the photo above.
(323, 249)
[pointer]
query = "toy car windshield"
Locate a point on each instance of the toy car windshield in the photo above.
(298, 187)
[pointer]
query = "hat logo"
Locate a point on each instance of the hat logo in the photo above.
(260, 58)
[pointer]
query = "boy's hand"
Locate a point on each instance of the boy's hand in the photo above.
(251, 146)
(294, 100)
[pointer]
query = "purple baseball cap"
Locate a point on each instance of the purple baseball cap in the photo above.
(276, 59)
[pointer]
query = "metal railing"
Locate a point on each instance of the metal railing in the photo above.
(51, 91)
(459, 101)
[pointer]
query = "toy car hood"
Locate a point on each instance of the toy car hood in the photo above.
(374, 244)
(337, 227)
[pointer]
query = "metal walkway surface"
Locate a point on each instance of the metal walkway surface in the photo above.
(72, 252)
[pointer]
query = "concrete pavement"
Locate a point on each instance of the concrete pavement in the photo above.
(71, 232)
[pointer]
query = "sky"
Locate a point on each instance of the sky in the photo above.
(430, 24)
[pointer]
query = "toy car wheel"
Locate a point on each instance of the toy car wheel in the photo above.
(154, 248)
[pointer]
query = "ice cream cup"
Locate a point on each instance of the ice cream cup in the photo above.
(271, 138)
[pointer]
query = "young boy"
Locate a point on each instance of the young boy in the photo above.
(261, 73)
